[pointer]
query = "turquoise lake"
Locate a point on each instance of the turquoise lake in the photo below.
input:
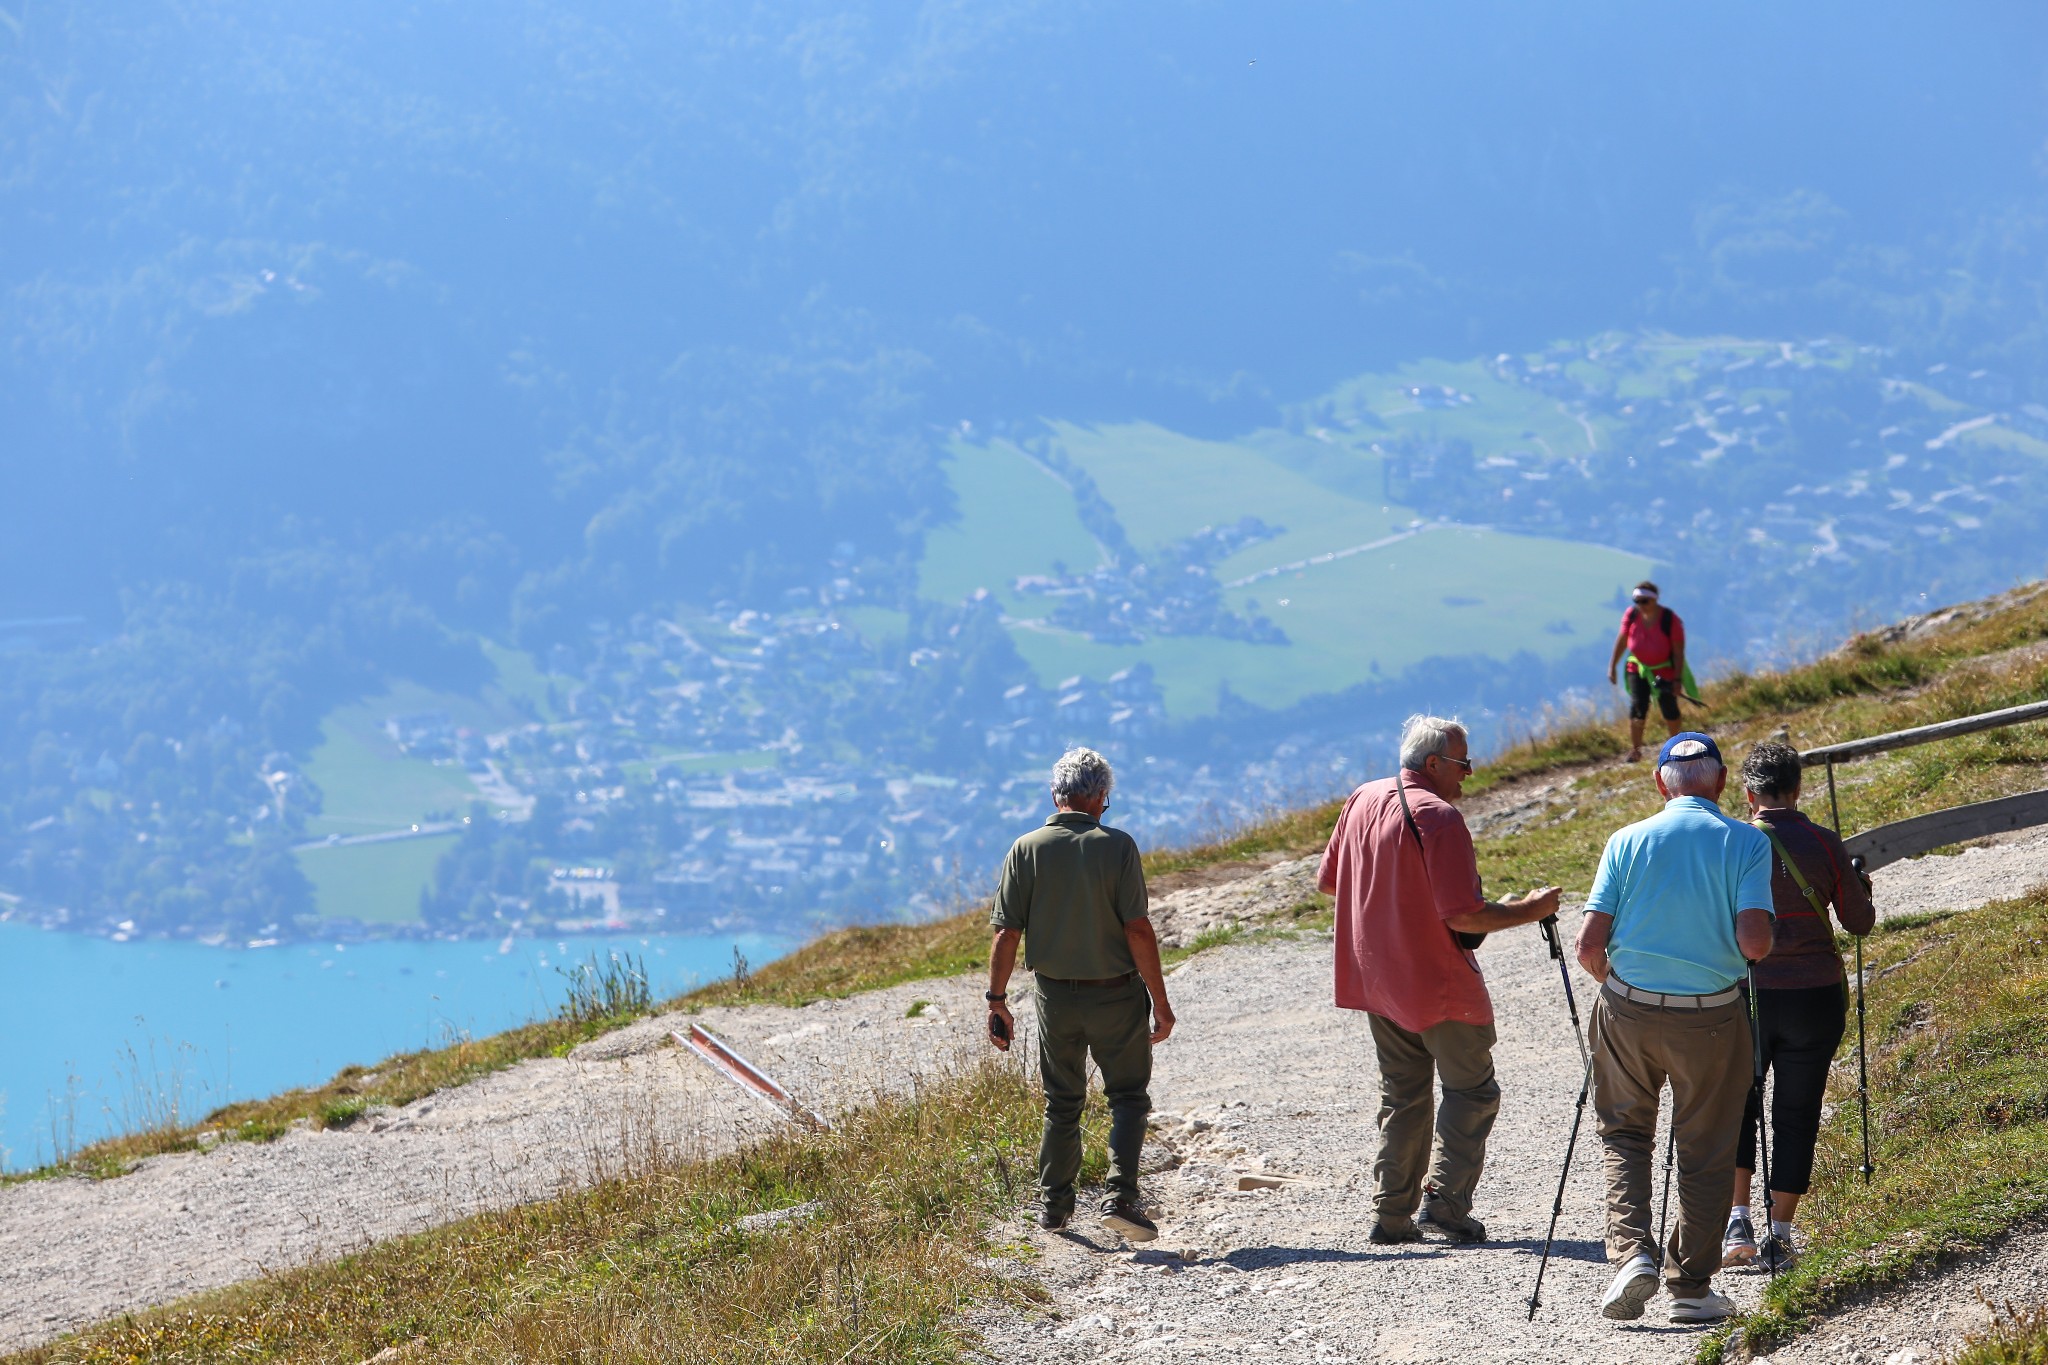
(122, 1028)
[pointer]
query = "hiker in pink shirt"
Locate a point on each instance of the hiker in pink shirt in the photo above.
(1652, 639)
(1409, 913)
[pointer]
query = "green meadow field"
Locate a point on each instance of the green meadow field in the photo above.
(1360, 615)
(368, 786)
(377, 883)
(1016, 518)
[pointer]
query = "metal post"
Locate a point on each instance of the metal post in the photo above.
(1862, 1065)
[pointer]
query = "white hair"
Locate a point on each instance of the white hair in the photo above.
(1081, 775)
(1690, 776)
(1423, 735)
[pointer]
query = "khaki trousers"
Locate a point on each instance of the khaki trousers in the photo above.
(1705, 1054)
(1462, 1056)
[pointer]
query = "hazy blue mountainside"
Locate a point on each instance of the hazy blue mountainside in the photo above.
(476, 466)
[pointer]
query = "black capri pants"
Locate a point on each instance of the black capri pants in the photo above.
(1639, 690)
(1801, 1030)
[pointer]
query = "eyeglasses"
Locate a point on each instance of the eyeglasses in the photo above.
(1464, 763)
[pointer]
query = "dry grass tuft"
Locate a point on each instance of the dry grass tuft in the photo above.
(2016, 1336)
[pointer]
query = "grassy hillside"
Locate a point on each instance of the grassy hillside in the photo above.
(1959, 1087)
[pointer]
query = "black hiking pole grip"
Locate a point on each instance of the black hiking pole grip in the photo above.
(1548, 924)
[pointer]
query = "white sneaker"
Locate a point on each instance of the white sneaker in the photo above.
(1708, 1307)
(1632, 1288)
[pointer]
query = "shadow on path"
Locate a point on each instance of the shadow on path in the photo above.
(1261, 1258)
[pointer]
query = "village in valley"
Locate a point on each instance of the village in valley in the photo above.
(865, 746)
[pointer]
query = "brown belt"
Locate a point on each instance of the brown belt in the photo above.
(1098, 981)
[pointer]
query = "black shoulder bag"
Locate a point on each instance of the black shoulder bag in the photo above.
(1465, 939)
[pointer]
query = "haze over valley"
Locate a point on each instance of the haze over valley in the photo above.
(492, 478)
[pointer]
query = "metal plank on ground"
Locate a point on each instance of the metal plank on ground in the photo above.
(1938, 829)
(725, 1059)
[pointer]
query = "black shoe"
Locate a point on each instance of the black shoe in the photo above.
(1123, 1216)
(1461, 1229)
(1776, 1254)
(1394, 1233)
(1052, 1219)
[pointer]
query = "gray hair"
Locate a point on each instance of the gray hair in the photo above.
(1081, 775)
(1423, 735)
(1691, 776)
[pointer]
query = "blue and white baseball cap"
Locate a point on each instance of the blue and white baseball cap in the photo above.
(1687, 744)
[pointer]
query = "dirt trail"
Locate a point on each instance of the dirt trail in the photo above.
(1263, 1078)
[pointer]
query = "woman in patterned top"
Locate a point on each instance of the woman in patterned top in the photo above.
(1802, 997)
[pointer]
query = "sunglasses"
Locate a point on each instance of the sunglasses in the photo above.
(1464, 763)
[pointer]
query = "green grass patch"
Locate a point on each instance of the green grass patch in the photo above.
(665, 763)
(1502, 417)
(1016, 518)
(520, 679)
(1165, 486)
(378, 883)
(1293, 834)
(367, 786)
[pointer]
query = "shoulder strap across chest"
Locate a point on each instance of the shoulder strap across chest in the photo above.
(1792, 869)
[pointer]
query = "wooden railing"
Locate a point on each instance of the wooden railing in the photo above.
(1873, 848)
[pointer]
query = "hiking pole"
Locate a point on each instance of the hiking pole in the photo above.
(1862, 1048)
(1763, 1137)
(1548, 924)
(1670, 1161)
(1557, 1205)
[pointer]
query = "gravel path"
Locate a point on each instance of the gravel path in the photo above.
(1998, 869)
(1262, 1079)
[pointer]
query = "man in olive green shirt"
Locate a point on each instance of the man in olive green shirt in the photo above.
(1074, 891)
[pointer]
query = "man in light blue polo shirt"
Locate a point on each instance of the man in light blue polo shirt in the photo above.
(1680, 907)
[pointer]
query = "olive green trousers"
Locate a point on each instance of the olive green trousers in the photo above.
(1114, 1025)
(1460, 1057)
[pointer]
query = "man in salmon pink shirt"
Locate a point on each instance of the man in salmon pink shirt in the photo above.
(1401, 865)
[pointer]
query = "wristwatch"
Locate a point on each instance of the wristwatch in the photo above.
(993, 996)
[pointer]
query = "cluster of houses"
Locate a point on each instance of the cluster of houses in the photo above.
(1128, 599)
